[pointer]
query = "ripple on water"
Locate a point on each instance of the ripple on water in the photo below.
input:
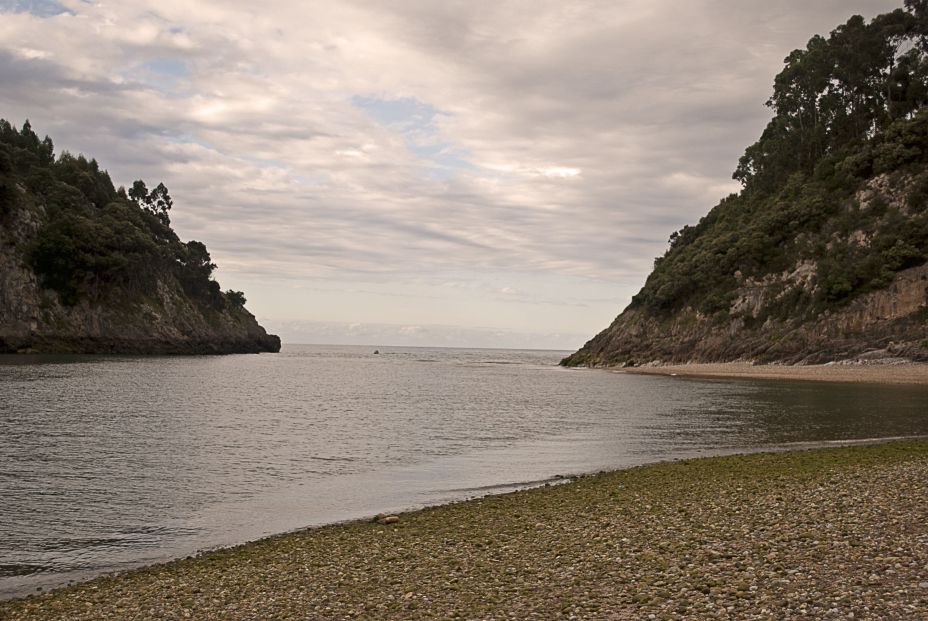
(113, 461)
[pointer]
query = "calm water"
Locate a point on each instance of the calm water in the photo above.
(108, 462)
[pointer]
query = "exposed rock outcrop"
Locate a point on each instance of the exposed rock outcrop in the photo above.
(891, 322)
(772, 316)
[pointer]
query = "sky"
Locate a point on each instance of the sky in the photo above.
(416, 172)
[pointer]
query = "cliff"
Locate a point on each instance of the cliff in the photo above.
(86, 268)
(890, 323)
(822, 255)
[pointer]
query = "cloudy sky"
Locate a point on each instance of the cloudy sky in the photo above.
(428, 172)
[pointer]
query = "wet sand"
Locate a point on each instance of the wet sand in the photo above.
(906, 373)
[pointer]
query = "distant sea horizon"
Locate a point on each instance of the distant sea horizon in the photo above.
(300, 332)
(453, 347)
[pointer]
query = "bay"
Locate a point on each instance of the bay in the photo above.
(113, 462)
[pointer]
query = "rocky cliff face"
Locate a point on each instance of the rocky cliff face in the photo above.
(788, 315)
(890, 323)
(164, 320)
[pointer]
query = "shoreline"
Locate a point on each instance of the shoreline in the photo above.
(587, 547)
(910, 373)
(75, 578)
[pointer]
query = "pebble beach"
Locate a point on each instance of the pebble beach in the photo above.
(836, 533)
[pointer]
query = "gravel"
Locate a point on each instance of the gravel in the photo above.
(839, 533)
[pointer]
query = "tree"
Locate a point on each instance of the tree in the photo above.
(86, 176)
(139, 192)
(158, 202)
(29, 138)
(198, 260)
(236, 298)
(840, 91)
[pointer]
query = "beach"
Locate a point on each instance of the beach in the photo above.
(903, 373)
(824, 533)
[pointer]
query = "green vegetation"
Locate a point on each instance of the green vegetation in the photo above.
(849, 114)
(96, 241)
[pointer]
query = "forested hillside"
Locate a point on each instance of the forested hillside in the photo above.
(822, 254)
(87, 267)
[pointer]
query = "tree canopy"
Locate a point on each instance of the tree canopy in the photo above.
(847, 109)
(96, 240)
(839, 92)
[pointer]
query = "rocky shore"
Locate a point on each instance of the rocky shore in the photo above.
(838, 533)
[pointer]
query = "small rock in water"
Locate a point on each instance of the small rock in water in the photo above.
(388, 519)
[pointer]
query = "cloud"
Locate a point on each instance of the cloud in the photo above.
(415, 142)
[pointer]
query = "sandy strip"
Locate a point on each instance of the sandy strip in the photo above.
(823, 534)
(909, 373)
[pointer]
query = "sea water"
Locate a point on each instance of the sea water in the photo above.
(111, 462)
